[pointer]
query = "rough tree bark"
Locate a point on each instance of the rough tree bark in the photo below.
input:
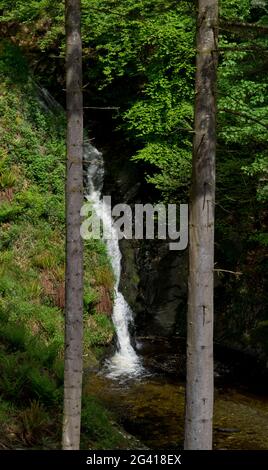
(199, 387)
(74, 245)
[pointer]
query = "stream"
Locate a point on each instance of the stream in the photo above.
(149, 404)
(152, 409)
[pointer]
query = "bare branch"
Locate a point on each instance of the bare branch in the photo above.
(236, 273)
(102, 107)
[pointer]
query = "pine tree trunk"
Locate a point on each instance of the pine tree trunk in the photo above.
(74, 246)
(199, 387)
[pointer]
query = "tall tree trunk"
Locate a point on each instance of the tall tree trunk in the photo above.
(74, 246)
(199, 387)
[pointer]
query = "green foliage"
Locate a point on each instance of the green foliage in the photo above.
(37, 14)
(32, 147)
(151, 45)
(99, 331)
(32, 255)
(89, 299)
(5, 410)
(21, 380)
(9, 212)
(104, 276)
(12, 59)
(242, 174)
(97, 426)
(233, 9)
(7, 178)
(176, 160)
(259, 170)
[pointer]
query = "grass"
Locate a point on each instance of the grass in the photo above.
(32, 172)
(99, 430)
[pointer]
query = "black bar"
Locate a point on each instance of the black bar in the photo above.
(133, 459)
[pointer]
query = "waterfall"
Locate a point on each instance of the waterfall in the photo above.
(125, 361)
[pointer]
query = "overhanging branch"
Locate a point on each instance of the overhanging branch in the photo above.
(244, 115)
(235, 26)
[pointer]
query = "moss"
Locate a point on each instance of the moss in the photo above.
(32, 257)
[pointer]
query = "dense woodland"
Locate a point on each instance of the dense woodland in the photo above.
(139, 63)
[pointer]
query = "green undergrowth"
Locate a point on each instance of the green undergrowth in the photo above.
(32, 174)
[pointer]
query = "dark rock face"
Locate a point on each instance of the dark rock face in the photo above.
(155, 285)
(153, 278)
(165, 286)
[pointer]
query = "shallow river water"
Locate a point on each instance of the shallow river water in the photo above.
(152, 410)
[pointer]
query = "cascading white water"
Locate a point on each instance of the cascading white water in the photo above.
(125, 361)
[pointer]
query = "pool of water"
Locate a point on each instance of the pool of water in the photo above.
(152, 409)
